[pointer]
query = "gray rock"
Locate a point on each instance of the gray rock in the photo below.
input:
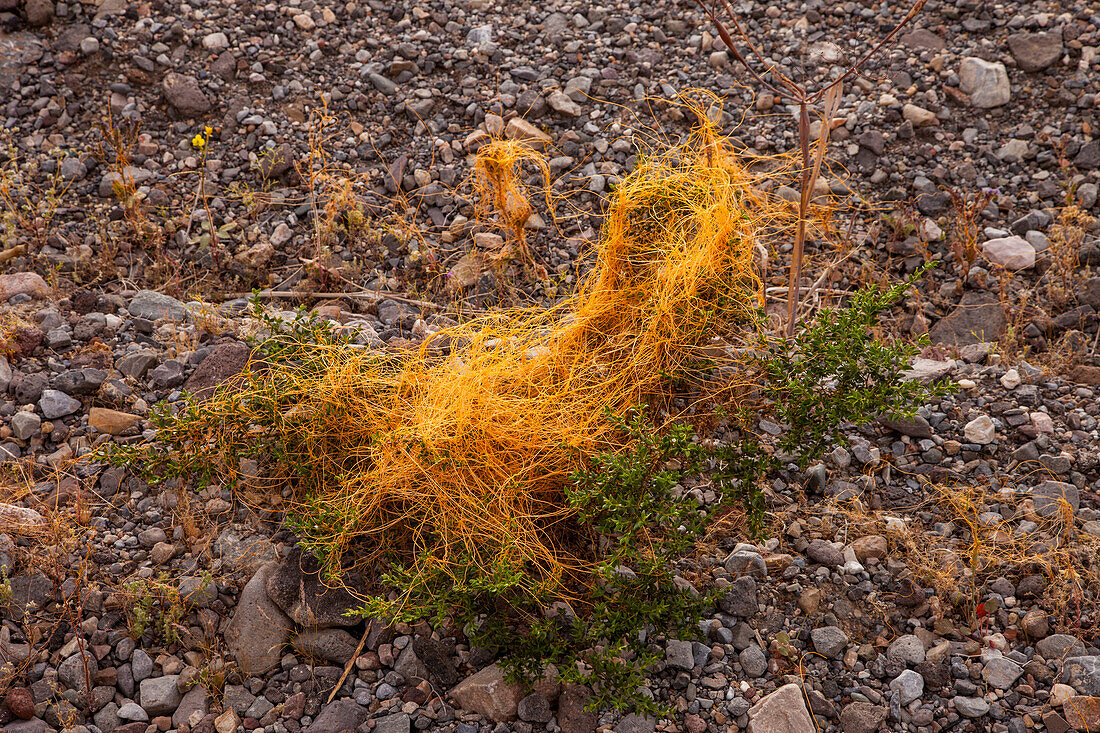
(25, 425)
(332, 645)
(1060, 646)
(197, 700)
(634, 723)
(1051, 497)
(156, 306)
(740, 598)
(534, 708)
(971, 707)
(259, 629)
(824, 553)
(339, 715)
(141, 665)
(906, 649)
(1035, 51)
(167, 375)
(978, 318)
(909, 685)
(297, 587)
(132, 711)
(198, 591)
(137, 364)
(77, 670)
(160, 695)
(753, 661)
(829, 641)
(915, 427)
(55, 404)
(986, 82)
(184, 95)
(393, 723)
(1000, 673)
(679, 655)
(238, 698)
(1082, 674)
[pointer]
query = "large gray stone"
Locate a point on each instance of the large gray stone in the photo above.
(978, 317)
(986, 82)
(1053, 497)
(156, 306)
(332, 645)
(1035, 51)
(829, 641)
(55, 404)
(259, 629)
(1082, 674)
(160, 695)
(339, 715)
(1000, 673)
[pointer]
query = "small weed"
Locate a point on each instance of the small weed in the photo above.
(837, 373)
(153, 604)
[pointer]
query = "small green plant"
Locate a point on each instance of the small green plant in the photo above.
(153, 604)
(836, 372)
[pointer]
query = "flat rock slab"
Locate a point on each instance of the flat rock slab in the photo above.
(978, 317)
(783, 711)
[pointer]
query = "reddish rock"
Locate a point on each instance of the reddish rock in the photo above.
(20, 702)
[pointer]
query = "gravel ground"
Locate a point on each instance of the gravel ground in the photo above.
(863, 597)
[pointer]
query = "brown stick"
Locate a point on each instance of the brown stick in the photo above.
(347, 667)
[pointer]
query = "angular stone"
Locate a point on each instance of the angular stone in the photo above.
(909, 685)
(1053, 497)
(339, 715)
(862, 717)
(572, 715)
(111, 422)
(1012, 253)
(160, 695)
(259, 629)
(184, 95)
(1000, 673)
(980, 430)
(986, 82)
(978, 317)
(55, 404)
(156, 307)
(221, 365)
(829, 641)
(1035, 51)
(971, 707)
(487, 693)
(1060, 646)
(906, 649)
(783, 711)
(332, 645)
(522, 130)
